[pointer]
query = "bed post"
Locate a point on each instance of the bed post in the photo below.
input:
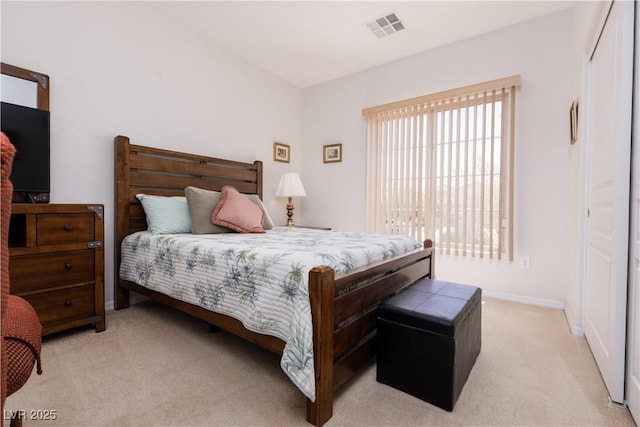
(322, 296)
(258, 164)
(428, 243)
(122, 214)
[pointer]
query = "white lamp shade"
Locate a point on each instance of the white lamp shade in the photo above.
(290, 186)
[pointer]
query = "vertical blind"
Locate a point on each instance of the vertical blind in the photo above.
(440, 166)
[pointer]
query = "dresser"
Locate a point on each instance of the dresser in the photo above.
(56, 262)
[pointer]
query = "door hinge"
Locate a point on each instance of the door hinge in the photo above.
(93, 245)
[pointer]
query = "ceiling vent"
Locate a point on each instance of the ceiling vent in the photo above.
(386, 25)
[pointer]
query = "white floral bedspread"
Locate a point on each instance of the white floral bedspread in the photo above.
(259, 279)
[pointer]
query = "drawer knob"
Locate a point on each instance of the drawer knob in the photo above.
(68, 227)
(68, 303)
(68, 266)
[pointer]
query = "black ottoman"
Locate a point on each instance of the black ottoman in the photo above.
(429, 339)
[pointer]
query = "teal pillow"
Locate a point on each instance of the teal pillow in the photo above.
(166, 215)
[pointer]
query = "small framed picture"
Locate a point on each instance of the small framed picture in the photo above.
(332, 153)
(573, 121)
(281, 152)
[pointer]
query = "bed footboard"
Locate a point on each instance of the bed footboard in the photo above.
(344, 315)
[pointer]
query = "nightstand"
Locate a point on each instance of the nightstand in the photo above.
(56, 254)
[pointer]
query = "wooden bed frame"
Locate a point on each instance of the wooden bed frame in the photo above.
(343, 306)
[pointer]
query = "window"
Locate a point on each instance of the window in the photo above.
(441, 166)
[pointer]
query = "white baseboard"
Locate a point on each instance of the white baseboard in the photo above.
(525, 300)
(576, 330)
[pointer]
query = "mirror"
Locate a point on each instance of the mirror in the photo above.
(19, 91)
(24, 87)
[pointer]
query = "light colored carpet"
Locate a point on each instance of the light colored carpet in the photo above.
(155, 366)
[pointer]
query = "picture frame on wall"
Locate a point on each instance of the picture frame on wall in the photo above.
(281, 152)
(332, 153)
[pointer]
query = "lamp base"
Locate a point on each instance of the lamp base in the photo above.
(290, 213)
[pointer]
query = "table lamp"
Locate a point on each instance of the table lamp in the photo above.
(290, 186)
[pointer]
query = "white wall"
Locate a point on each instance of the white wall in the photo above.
(121, 68)
(541, 52)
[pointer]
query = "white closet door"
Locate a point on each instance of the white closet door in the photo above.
(633, 315)
(609, 133)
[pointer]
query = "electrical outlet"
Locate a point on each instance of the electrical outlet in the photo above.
(525, 262)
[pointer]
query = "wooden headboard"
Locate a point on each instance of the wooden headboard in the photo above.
(148, 170)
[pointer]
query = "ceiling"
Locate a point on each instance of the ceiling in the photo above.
(310, 42)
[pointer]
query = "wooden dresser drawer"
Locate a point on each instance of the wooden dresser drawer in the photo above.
(47, 270)
(64, 305)
(56, 229)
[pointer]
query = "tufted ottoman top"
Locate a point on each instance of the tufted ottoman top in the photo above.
(432, 305)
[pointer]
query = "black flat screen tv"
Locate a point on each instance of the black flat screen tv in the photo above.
(28, 131)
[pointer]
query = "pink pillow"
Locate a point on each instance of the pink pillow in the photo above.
(238, 213)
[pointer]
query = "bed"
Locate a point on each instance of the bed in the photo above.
(342, 305)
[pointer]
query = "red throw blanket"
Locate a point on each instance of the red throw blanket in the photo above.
(22, 338)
